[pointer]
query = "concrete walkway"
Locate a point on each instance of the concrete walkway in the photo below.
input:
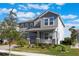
(4, 49)
(23, 53)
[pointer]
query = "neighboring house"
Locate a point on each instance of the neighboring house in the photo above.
(77, 36)
(46, 28)
(77, 40)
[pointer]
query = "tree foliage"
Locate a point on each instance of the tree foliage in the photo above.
(73, 34)
(9, 26)
(8, 29)
(66, 41)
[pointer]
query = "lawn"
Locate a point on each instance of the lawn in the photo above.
(50, 51)
(33, 50)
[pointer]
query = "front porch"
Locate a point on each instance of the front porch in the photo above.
(48, 37)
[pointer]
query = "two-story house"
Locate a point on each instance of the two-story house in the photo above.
(46, 28)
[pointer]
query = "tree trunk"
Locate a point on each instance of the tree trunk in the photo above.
(10, 47)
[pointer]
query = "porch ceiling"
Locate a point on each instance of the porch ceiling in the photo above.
(40, 29)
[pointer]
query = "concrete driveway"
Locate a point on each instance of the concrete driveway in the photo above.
(23, 53)
(6, 47)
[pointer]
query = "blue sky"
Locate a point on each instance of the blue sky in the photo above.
(68, 11)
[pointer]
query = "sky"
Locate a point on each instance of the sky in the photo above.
(69, 12)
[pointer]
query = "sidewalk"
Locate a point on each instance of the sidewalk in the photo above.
(24, 53)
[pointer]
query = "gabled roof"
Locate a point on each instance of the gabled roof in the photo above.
(51, 12)
(61, 21)
(27, 21)
(45, 13)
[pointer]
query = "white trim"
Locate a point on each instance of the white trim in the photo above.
(48, 21)
(47, 12)
(43, 13)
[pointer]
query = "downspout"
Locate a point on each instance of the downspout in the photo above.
(57, 36)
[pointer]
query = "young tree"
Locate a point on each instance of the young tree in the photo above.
(9, 28)
(73, 34)
(9, 31)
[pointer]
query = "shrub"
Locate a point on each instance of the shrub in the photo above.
(67, 41)
(54, 46)
(44, 45)
(59, 48)
(21, 42)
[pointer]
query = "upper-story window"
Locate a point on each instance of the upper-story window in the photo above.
(31, 25)
(46, 21)
(51, 20)
(22, 25)
(26, 24)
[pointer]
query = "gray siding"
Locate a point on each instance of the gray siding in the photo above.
(26, 25)
(48, 26)
(40, 21)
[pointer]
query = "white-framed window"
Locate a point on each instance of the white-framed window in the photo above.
(22, 25)
(46, 21)
(49, 21)
(26, 24)
(46, 35)
(31, 25)
(52, 19)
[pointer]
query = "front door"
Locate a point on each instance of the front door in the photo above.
(32, 37)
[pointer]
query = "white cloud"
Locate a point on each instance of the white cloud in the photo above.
(72, 24)
(14, 10)
(30, 14)
(77, 20)
(12, 3)
(67, 26)
(37, 6)
(69, 16)
(60, 3)
(26, 14)
(21, 7)
(66, 31)
(22, 19)
(5, 10)
(58, 7)
(38, 13)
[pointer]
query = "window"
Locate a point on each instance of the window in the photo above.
(51, 21)
(26, 24)
(31, 25)
(46, 35)
(46, 21)
(22, 25)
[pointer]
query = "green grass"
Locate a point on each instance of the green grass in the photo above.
(33, 50)
(50, 51)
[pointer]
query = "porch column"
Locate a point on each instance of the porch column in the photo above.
(38, 37)
(28, 38)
